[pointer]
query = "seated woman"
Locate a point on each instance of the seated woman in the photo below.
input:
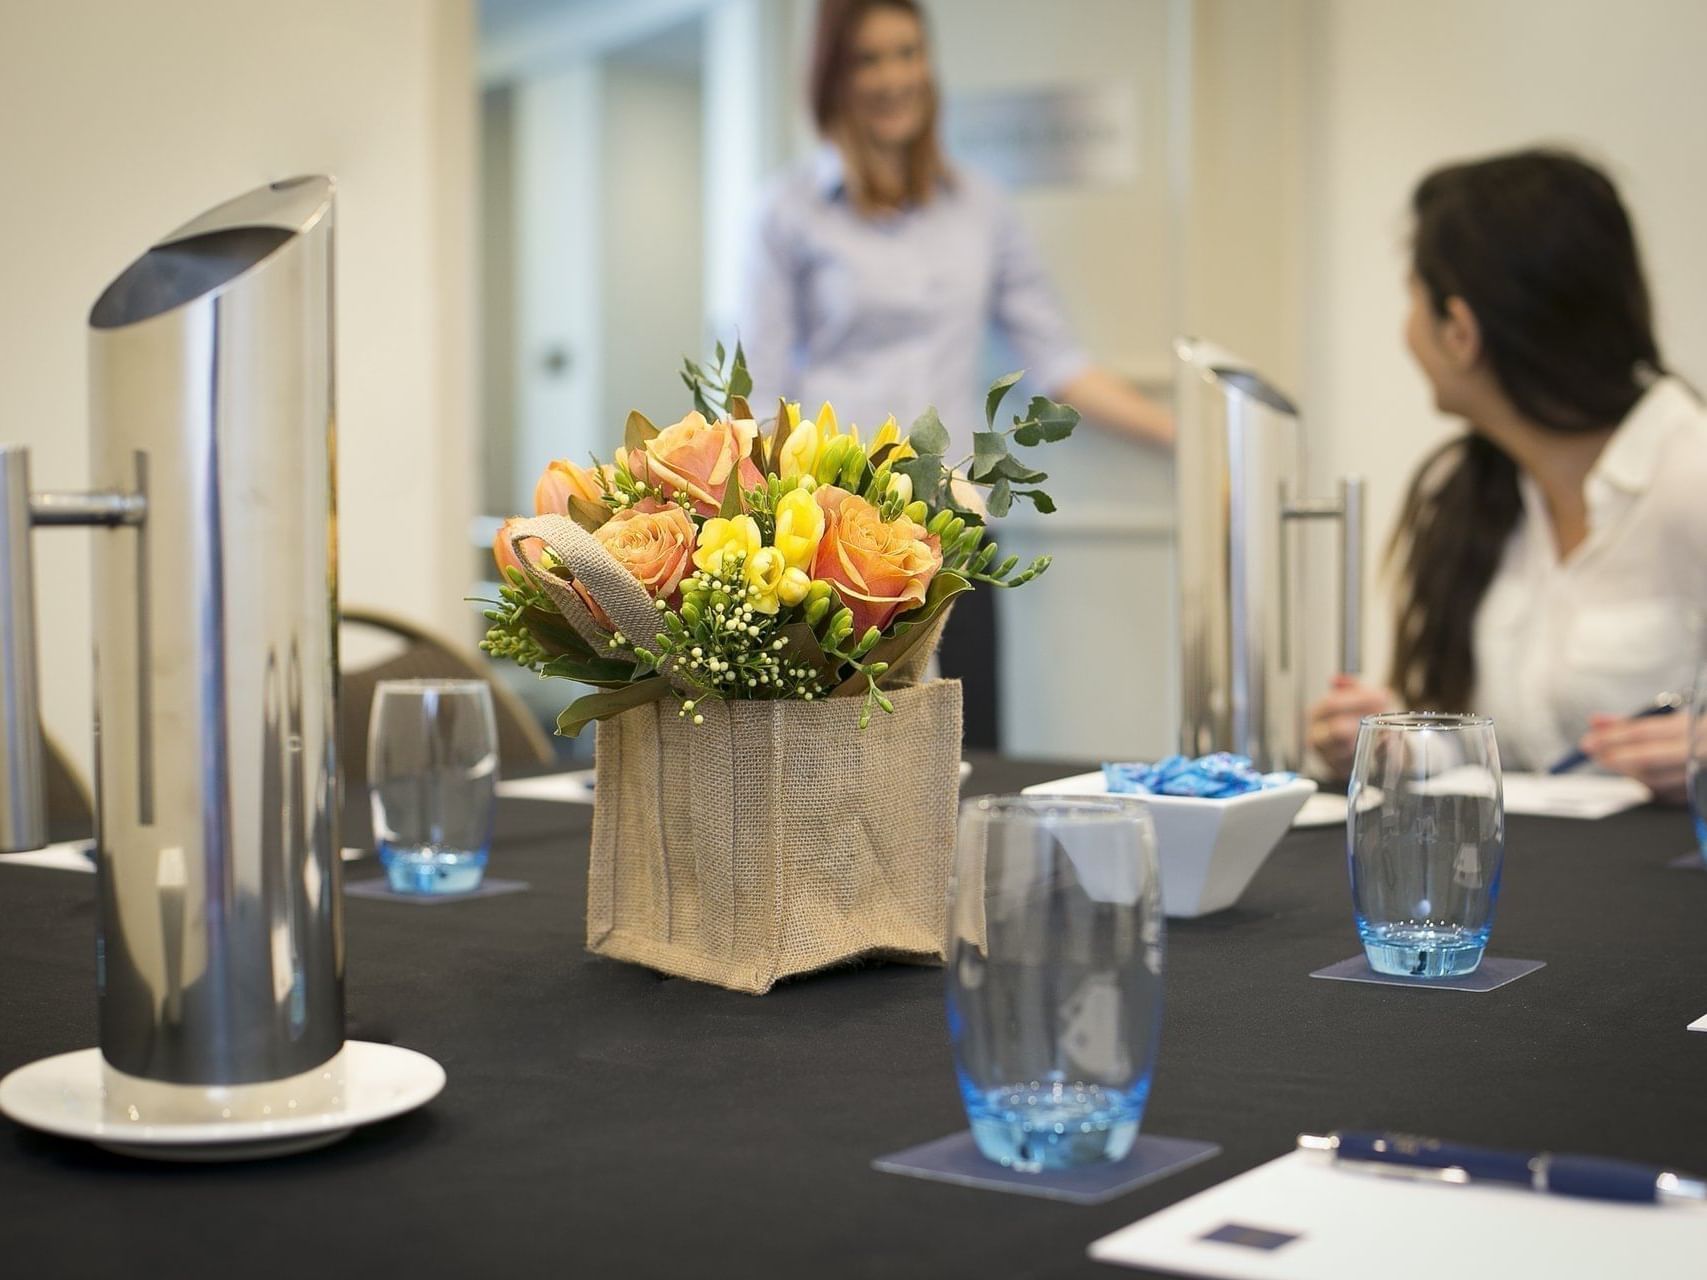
(1552, 560)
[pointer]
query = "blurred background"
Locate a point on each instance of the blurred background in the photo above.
(542, 205)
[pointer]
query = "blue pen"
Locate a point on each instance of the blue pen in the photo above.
(1595, 1177)
(1663, 705)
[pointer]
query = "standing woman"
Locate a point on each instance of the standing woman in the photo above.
(878, 269)
(1553, 559)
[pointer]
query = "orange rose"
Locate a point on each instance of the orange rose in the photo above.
(504, 551)
(561, 481)
(879, 569)
(698, 458)
(654, 542)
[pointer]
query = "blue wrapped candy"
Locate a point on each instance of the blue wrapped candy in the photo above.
(1213, 777)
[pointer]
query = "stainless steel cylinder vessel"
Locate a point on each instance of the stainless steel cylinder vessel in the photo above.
(211, 397)
(1240, 469)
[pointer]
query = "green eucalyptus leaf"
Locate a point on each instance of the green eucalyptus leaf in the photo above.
(1011, 468)
(1039, 499)
(999, 389)
(638, 429)
(1045, 421)
(553, 631)
(1001, 498)
(927, 474)
(610, 702)
(732, 506)
(928, 434)
(907, 632)
(590, 515)
(605, 673)
(988, 448)
(740, 381)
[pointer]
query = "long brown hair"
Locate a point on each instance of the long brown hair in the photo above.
(832, 73)
(1539, 246)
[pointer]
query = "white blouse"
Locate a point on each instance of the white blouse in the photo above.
(1618, 620)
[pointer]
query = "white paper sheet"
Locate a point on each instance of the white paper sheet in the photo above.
(1572, 795)
(566, 788)
(1345, 1223)
(1537, 795)
(1324, 809)
(1700, 1024)
(56, 857)
(70, 857)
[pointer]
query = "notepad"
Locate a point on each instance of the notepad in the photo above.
(1535, 795)
(575, 787)
(70, 856)
(73, 856)
(1301, 1218)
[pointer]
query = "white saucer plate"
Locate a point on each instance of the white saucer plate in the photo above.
(65, 1095)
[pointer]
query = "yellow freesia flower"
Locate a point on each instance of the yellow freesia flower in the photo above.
(890, 433)
(792, 409)
(827, 428)
(721, 539)
(799, 455)
(794, 586)
(799, 526)
(764, 573)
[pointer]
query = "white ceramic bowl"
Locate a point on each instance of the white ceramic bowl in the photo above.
(1209, 849)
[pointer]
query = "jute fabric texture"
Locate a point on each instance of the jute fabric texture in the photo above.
(617, 590)
(777, 837)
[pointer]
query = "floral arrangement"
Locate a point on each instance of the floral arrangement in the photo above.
(800, 562)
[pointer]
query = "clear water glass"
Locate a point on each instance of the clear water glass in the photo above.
(432, 773)
(1426, 839)
(1055, 976)
(1697, 763)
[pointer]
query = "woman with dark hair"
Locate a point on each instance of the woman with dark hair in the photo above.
(878, 270)
(1552, 561)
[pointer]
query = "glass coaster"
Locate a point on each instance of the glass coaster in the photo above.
(1494, 971)
(490, 887)
(957, 1159)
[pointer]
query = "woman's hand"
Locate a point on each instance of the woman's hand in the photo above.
(1333, 719)
(1654, 750)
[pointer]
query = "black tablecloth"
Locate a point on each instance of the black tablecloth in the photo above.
(601, 1120)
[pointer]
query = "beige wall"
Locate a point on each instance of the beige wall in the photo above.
(122, 121)
(652, 248)
(1397, 87)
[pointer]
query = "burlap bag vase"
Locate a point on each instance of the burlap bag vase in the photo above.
(777, 837)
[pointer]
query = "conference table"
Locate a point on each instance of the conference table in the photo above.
(603, 1120)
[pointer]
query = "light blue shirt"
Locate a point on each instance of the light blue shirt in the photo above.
(890, 314)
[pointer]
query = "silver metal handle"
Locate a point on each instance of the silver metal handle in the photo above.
(1349, 512)
(1351, 574)
(23, 791)
(23, 799)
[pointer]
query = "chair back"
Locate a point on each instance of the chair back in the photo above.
(521, 741)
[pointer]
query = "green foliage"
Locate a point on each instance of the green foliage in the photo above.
(718, 642)
(716, 384)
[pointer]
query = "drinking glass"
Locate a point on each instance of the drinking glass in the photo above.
(1697, 764)
(432, 770)
(1426, 841)
(1055, 976)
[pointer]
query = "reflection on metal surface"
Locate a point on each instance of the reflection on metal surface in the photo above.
(1239, 466)
(211, 385)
